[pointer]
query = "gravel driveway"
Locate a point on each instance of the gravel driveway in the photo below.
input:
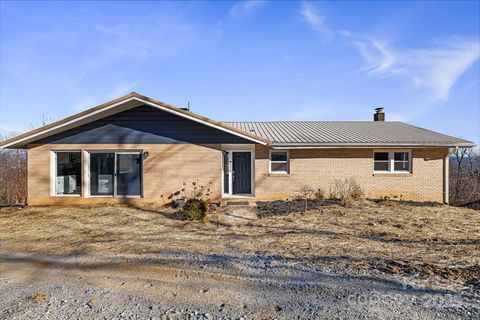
(178, 285)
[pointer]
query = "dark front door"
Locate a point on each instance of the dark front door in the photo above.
(242, 173)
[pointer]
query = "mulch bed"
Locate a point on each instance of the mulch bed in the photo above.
(282, 208)
(472, 205)
(407, 202)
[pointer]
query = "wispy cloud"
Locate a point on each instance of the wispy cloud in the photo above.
(118, 90)
(122, 89)
(381, 59)
(94, 56)
(316, 21)
(142, 38)
(345, 33)
(436, 68)
(243, 8)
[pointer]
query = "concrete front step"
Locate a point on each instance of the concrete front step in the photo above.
(235, 214)
(238, 203)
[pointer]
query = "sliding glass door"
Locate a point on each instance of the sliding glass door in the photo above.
(102, 173)
(129, 173)
(115, 174)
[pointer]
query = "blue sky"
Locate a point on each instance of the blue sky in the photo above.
(254, 60)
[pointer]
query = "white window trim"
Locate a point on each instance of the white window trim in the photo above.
(53, 174)
(115, 195)
(270, 162)
(391, 161)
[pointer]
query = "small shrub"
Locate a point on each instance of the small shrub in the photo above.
(195, 209)
(319, 194)
(347, 191)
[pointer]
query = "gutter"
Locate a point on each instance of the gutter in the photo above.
(362, 145)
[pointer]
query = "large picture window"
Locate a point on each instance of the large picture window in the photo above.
(279, 162)
(391, 161)
(68, 173)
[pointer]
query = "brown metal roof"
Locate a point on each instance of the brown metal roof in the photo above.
(347, 133)
(275, 133)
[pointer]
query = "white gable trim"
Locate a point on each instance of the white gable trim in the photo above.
(86, 116)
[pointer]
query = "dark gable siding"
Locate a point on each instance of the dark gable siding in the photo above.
(143, 125)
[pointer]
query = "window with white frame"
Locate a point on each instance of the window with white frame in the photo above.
(391, 161)
(401, 161)
(279, 162)
(68, 173)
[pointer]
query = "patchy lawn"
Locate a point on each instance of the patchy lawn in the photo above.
(437, 243)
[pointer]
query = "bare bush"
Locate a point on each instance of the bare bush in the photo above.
(356, 191)
(305, 193)
(13, 170)
(195, 191)
(319, 194)
(347, 191)
(13, 177)
(464, 176)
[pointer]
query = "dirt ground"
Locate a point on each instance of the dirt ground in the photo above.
(433, 247)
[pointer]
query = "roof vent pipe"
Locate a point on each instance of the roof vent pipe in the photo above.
(379, 115)
(187, 108)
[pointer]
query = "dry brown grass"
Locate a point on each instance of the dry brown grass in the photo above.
(438, 241)
(39, 296)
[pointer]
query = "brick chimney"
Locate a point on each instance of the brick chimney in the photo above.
(379, 114)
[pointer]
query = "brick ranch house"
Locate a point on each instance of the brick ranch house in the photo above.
(140, 148)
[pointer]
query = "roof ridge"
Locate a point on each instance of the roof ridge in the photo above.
(278, 121)
(324, 132)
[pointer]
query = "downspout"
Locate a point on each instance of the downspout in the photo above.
(446, 176)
